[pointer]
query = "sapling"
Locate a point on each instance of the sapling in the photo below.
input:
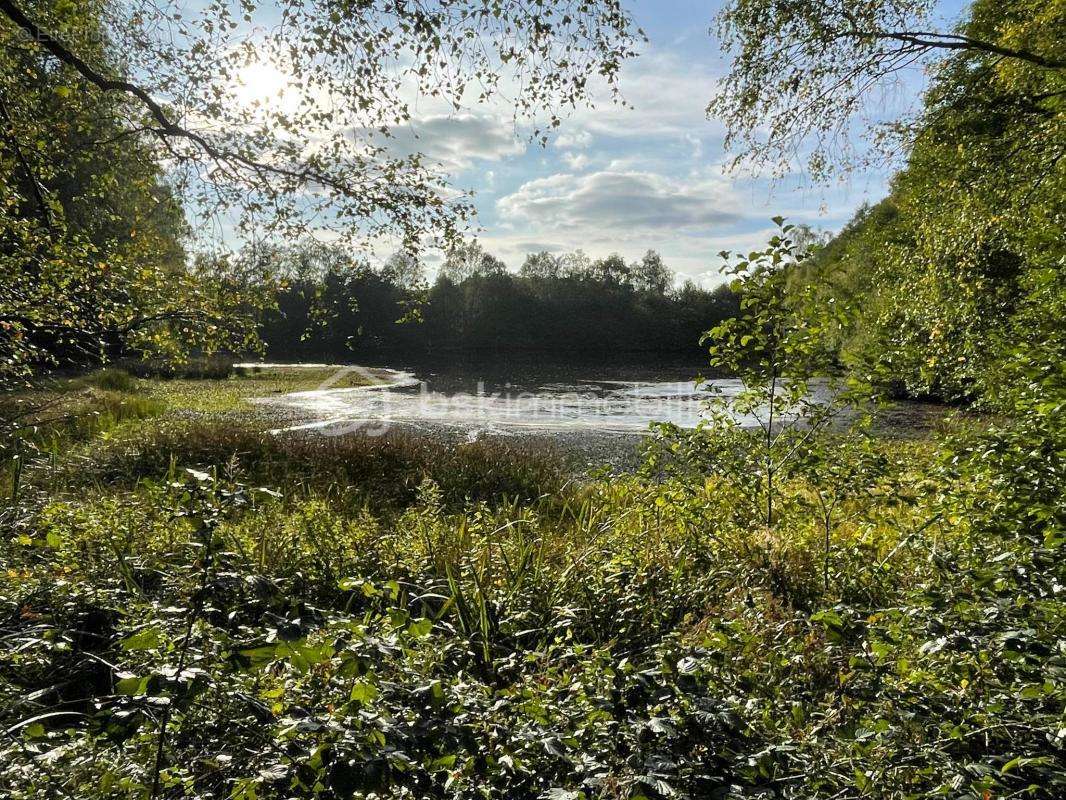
(776, 347)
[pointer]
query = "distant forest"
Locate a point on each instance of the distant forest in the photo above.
(556, 304)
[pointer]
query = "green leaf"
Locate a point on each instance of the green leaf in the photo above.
(259, 656)
(363, 692)
(132, 685)
(146, 639)
(420, 628)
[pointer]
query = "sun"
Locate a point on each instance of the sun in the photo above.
(262, 83)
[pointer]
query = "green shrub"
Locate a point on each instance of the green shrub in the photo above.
(112, 380)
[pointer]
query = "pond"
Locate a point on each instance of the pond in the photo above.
(508, 399)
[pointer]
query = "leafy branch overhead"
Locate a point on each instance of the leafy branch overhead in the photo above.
(806, 77)
(128, 132)
(352, 71)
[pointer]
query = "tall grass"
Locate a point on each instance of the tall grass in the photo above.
(49, 422)
(389, 469)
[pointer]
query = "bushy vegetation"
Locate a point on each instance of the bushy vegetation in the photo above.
(240, 616)
(386, 469)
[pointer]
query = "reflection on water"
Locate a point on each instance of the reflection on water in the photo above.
(504, 402)
(490, 401)
(598, 405)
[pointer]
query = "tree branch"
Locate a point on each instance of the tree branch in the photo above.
(165, 127)
(950, 41)
(58, 50)
(31, 177)
(164, 316)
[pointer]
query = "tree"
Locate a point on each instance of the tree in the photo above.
(404, 270)
(611, 270)
(803, 70)
(468, 259)
(947, 274)
(92, 238)
(540, 265)
(942, 273)
(650, 274)
(330, 306)
(575, 264)
(774, 345)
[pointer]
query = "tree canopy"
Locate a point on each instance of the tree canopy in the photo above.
(332, 308)
(92, 238)
(958, 272)
(804, 73)
(120, 119)
(347, 75)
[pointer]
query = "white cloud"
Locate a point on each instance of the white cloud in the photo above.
(618, 203)
(523, 247)
(665, 94)
(576, 161)
(575, 139)
(627, 211)
(697, 146)
(454, 141)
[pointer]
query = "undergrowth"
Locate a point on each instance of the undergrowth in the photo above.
(198, 609)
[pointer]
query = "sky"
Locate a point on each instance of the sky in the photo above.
(627, 180)
(624, 180)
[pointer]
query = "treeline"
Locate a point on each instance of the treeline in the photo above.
(565, 304)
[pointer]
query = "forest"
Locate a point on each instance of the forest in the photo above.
(554, 305)
(197, 603)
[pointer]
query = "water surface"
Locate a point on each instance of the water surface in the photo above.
(504, 400)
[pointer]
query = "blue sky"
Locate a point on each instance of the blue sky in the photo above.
(625, 180)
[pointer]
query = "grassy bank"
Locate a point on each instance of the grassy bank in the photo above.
(66, 410)
(299, 617)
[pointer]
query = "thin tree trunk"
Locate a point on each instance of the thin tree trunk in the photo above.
(769, 453)
(825, 565)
